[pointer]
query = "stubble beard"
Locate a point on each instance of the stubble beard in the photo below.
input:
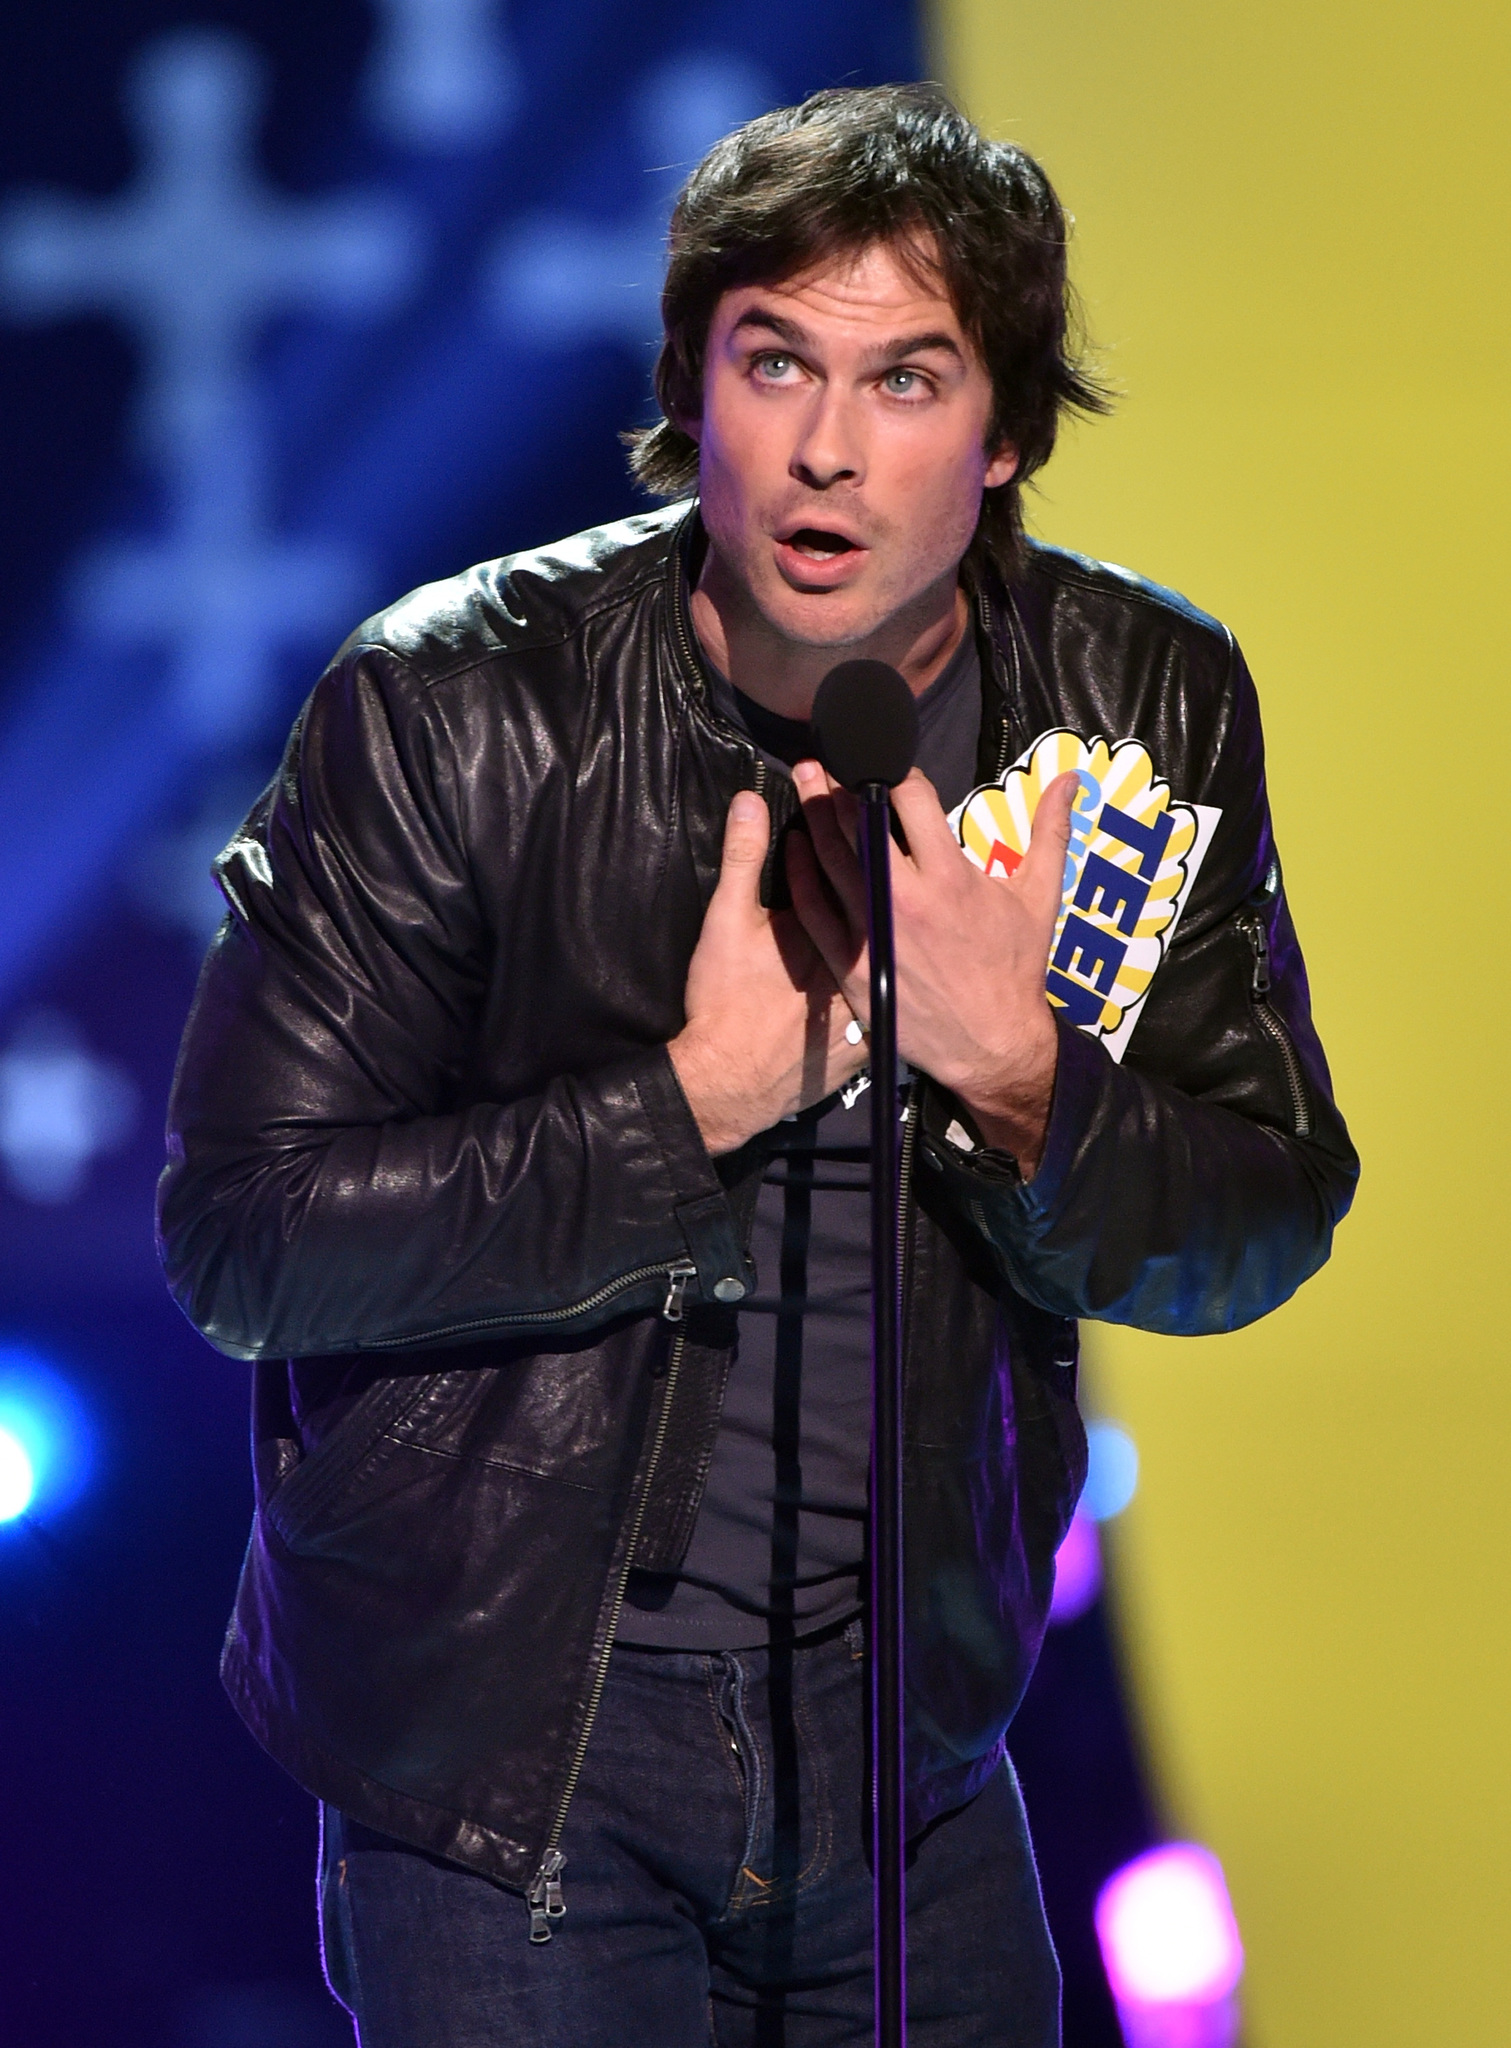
(802, 621)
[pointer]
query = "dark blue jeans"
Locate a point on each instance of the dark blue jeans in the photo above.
(716, 1887)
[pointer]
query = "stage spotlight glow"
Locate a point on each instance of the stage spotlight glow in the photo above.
(1078, 1571)
(1111, 1471)
(17, 1480)
(45, 1452)
(1171, 1949)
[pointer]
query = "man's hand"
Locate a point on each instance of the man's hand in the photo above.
(765, 1031)
(971, 950)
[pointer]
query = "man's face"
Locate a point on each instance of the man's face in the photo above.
(842, 446)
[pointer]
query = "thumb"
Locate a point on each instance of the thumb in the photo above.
(747, 834)
(1040, 881)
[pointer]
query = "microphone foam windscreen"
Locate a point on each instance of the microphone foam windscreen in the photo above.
(865, 724)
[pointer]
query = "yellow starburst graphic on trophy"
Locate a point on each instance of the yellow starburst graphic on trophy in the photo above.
(1132, 858)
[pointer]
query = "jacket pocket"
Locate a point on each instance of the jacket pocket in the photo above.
(301, 1497)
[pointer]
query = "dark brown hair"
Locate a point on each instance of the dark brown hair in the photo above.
(897, 164)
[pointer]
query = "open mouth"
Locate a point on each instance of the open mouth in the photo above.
(818, 544)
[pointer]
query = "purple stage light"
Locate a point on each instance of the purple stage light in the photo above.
(1078, 1570)
(1171, 1949)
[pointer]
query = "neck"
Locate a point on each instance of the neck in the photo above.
(783, 675)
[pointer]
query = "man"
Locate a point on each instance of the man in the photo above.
(518, 1137)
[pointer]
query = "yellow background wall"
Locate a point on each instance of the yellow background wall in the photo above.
(1292, 236)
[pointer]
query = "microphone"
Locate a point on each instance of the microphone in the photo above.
(865, 728)
(865, 725)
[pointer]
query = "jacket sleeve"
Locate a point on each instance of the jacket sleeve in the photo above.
(1194, 1187)
(330, 1187)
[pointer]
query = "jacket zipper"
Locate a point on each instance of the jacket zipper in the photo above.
(694, 676)
(677, 1271)
(904, 1175)
(1259, 992)
(1005, 742)
(544, 1896)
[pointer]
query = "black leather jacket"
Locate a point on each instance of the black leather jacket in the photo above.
(431, 1168)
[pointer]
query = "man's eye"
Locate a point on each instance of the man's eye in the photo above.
(774, 367)
(904, 383)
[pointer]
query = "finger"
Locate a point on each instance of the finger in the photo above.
(930, 839)
(798, 949)
(814, 776)
(1040, 881)
(817, 1033)
(747, 834)
(838, 943)
(835, 850)
(817, 912)
(846, 814)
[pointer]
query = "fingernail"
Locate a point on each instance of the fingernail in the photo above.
(806, 773)
(746, 807)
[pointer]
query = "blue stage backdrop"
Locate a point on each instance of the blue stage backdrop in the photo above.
(300, 305)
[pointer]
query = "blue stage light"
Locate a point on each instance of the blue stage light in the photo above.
(17, 1480)
(1111, 1471)
(45, 1451)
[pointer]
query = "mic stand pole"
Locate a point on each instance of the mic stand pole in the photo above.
(885, 1518)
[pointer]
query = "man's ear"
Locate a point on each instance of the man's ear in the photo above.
(1002, 468)
(689, 424)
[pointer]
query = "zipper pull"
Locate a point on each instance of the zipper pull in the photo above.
(1261, 945)
(544, 1897)
(677, 1277)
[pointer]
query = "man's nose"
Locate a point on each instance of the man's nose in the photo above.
(829, 448)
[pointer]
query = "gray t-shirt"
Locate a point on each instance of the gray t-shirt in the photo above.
(779, 1543)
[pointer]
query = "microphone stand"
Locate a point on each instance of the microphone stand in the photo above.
(885, 1516)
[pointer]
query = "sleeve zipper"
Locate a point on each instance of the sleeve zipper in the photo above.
(677, 1273)
(677, 1277)
(1271, 1025)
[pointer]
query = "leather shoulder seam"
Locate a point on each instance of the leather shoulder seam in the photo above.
(1124, 587)
(480, 659)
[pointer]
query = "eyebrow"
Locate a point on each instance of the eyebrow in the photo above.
(763, 320)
